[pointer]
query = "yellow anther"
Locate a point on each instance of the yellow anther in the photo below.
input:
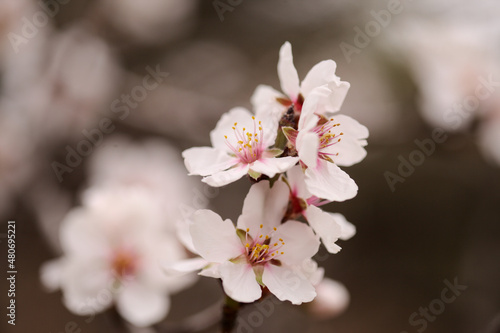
(282, 252)
(274, 228)
(341, 133)
(261, 226)
(247, 245)
(253, 117)
(235, 124)
(234, 128)
(225, 136)
(260, 236)
(281, 239)
(275, 244)
(267, 237)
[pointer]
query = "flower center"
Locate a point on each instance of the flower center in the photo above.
(249, 147)
(124, 263)
(327, 138)
(261, 249)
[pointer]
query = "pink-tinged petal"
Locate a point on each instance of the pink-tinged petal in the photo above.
(184, 266)
(288, 284)
(228, 176)
(295, 177)
(333, 298)
(205, 161)
(347, 229)
(213, 238)
(308, 148)
(265, 104)
(329, 182)
(322, 73)
(325, 227)
(287, 73)
(142, 306)
(300, 242)
(264, 205)
(225, 125)
(239, 282)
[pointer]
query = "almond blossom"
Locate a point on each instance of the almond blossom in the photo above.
(268, 101)
(113, 246)
(328, 226)
(260, 252)
(240, 146)
(325, 144)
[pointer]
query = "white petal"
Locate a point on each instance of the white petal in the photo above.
(347, 229)
(272, 166)
(300, 242)
(333, 298)
(337, 96)
(288, 284)
(329, 182)
(313, 105)
(351, 127)
(51, 274)
(142, 306)
(80, 236)
(322, 73)
(239, 282)
(264, 205)
(205, 161)
(185, 266)
(214, 239)
(265, 104)
(226, 177)
(287, 73)
(87, 286)
(212, 270)
(325, 227)
(296, 180)
(308, 148)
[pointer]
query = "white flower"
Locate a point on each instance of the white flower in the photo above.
(328, 226)
(240, 146)
(322, 144)
(269, 102)
(112, 247)
(259, 252)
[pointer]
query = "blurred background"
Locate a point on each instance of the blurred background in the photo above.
(428, 210)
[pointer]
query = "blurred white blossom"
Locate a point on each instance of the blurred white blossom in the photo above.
(113, 247)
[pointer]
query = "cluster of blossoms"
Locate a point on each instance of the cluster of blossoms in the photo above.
(292, 148)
